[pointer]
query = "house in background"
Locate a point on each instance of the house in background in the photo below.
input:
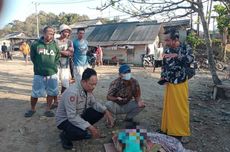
(15, 39)
(127, 41)
(83, 24)
(124, 42)
(181, 25)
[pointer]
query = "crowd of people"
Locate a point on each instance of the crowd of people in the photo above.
(59, 60)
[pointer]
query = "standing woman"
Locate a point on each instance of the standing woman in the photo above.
(176, 61)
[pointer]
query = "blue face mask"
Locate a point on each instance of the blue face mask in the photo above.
(126, 76)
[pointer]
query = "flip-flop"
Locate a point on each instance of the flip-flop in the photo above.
(184, 141)
(49, 114)
(53, 106)
(29, 113)
(159, 131)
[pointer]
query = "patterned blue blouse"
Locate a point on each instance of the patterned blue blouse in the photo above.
(175, 70)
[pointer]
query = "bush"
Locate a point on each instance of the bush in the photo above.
(199, 47)
(194, 40)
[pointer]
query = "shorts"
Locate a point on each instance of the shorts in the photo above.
(45, 85)
(64, 76)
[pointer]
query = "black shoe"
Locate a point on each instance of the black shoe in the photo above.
(66, 144)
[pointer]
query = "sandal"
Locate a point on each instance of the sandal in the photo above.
(49, 114)
(29, 113)
(184, 140)
(53, 106)
(160, 132)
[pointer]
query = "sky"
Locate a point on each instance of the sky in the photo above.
(20, 9)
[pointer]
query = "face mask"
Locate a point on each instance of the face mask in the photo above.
(126, 76)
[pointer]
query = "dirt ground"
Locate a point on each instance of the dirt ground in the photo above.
(210, 120)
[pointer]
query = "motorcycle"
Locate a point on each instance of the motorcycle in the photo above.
(147, 60)
(204, 64)
(91, 57)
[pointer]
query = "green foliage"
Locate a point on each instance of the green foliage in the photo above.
(216, 41)
(29, 26)
(71, 18)
(223, 20)
(194, 40)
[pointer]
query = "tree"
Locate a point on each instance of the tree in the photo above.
(17, 26)
(194, 40)
(209, 9)
(226, 3)
(6, 29)
(71, 18)
(29, 25)
(168, 8)
(223, 24)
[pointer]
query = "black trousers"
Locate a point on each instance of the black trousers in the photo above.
(74, 133)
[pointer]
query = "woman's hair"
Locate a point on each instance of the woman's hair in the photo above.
(173, 33)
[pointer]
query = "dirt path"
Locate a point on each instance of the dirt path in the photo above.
(210, 121)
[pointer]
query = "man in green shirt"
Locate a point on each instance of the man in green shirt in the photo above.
(45, 56)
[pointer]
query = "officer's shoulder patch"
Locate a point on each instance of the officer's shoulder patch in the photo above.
(72, 98)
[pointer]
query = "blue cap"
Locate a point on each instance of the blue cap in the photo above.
(124, 68)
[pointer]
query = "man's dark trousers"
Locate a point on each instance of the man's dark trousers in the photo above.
(74, 133)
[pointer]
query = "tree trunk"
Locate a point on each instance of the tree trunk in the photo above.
(198, 25)
(208, 44)
(209, 13)
(224, 42)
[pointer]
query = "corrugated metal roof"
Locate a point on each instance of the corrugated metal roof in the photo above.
(17, 35)
(145, 33)
(86, 23)
(127, 32)
(88, 31)
(185, 22)
(102, 33)
(123, 33)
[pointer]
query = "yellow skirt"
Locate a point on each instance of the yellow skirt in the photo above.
(175, 116)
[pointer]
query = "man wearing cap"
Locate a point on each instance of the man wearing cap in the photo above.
(65, 46)
(124, 95)
(80, 57)
(66, 50)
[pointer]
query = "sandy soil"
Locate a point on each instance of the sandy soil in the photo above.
(210, 120)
